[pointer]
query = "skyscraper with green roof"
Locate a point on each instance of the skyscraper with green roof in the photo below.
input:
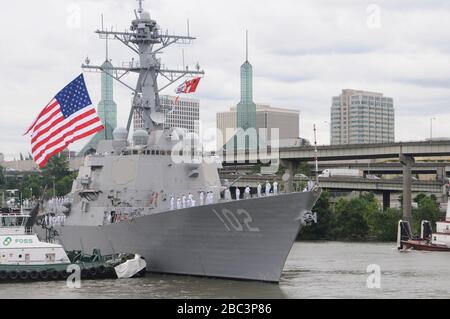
(246, 136)
(107, 110)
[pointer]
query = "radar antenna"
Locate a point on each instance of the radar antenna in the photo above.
(140, 10)
(146, 40)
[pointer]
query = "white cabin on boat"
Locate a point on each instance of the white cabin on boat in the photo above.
(19, 246)
(442, 234)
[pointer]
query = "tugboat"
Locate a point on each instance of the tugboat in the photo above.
(24, 257)
(428, 240)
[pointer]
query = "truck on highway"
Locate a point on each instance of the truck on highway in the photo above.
(342, 172)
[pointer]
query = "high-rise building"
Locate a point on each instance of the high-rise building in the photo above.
(285, 120)
(184, 113)
(360, 117)
(107, 110)
(246, 109)
(244, 117)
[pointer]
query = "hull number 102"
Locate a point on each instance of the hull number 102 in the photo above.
(239, 221)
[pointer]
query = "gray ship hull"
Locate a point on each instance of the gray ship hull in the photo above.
(247, 239)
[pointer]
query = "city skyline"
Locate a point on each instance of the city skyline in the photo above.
(391, 48)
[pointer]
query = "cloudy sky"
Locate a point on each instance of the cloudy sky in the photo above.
(303, 53)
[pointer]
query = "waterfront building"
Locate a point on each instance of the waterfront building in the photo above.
(360, 117)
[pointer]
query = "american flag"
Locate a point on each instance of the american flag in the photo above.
(67, 118)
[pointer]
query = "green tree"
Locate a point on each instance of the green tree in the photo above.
(350, 221)
(325, 221)
(385, 224)
(56, 174)
(419, 197)
(31, 185)
(304, 168)
(428, 209)
(2, 177)
(56, 168)
(371, 210)
(64, 185)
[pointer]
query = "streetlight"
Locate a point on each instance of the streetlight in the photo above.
(431, 128)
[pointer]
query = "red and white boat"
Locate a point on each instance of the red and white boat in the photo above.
(428, 240)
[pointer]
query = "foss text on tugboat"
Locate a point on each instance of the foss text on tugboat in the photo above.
(23, 257)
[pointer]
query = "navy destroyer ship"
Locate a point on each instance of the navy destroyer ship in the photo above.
(160, 196)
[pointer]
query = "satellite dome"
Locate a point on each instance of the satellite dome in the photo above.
(140, 138)
(145, 15)
(120, 134)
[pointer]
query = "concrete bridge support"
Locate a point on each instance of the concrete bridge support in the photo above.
(386, 200)
(407, 162)
(288, 177)
(441, 174)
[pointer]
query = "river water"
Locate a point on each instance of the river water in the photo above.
(313, 270)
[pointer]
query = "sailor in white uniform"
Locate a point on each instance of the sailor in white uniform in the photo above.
(210, 198)
(275, 188)
(247, 194)
(238, 193)
(178, 203)
(183, 201)
(228, 195)
(202, 198)
(268, 188)
(172, 203)
(259, 190)
(190, 199)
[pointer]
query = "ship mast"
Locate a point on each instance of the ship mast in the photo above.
(146, 40)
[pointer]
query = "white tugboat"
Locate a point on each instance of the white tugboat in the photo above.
(24, 257)
(428, 240)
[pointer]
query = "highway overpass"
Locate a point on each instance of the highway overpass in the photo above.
(350, 184)
(346, 152)
(367, 168)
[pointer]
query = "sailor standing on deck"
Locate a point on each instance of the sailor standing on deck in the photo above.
(247, 194)
(275, 188)
(202, 199)
(259, 189)
(238, 193)
(172, 203)
(228, 195)
(210, 198)
(268, 187)
(183, 201)
(178, 203)
(190, 199)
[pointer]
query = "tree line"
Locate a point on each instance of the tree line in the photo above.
(55, 179)
(363, 218)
